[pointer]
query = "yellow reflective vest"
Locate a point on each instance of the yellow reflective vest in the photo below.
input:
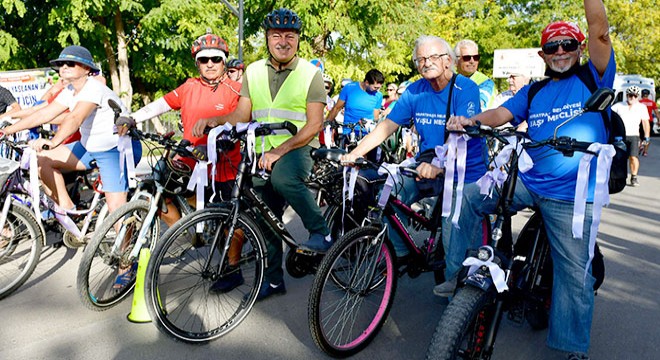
(290, 102)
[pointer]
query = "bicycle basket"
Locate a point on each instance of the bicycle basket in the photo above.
(174, 175)
(7, 167)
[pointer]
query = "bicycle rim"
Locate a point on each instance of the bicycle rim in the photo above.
(352, 293)
(101, 267)
(178, 283)
(21, 241)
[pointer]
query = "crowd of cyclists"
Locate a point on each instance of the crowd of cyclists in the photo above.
(449, 96)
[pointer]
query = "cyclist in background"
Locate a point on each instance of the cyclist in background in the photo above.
(550, 184)
(235, 69)
(283, 88)
(213, 93)
(653, 110)
(87, 100)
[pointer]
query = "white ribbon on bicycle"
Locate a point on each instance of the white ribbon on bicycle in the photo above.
(29, 161)
(456, 162)
(327, 136)
(126, 161)
(392, 171)
(440, 158)
(601, 193)
(199, 179)
(496, 273)
(496, 175)
(212, 152)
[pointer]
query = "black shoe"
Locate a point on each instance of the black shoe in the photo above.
(267, 290)
(228, 282)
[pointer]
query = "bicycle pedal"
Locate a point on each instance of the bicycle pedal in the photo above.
(306, 252)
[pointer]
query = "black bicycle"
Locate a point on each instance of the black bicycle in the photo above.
(227, 238)
(354, 288)
(470, 323)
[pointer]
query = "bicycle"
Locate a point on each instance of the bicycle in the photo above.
(470, 323)
(354, 288)
(21, 234)
(117, 243)
(347, 136)
(179, 274)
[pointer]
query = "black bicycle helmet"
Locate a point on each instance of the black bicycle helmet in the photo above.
(235, 64)
(282, 19)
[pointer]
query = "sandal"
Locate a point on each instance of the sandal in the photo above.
(125, 278)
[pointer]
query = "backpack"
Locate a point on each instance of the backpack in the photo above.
(613, 124)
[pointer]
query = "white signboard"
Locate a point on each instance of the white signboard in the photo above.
(518, 61)
(27, 86)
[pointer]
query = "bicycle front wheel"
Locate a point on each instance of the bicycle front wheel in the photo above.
(460, 331)
(21, 241)
(185, 266)
(106, 274)
(352, 292)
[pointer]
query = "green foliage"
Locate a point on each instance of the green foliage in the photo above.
(351, 37)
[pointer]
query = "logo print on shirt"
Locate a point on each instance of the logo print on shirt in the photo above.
(219, 106)
(471, 109)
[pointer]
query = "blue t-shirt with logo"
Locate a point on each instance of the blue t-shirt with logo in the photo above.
(554, 175)
(427, 109)
(359, 103)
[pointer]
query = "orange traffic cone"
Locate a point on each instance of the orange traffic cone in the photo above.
(139, 312)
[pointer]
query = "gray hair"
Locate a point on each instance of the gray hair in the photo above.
(431, 38)
(465, 43)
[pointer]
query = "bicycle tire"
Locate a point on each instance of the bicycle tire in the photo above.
(461, 326)
(23, 238)
(177, 284)
(98, 269)
(335, 296)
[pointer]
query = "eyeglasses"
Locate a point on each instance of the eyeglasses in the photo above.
(632, 95)
(231, 71)
(567, 44)
(391, 89)
(468, 57)
(214, 59)
(423, 59)
(327, 87)
(68, 63)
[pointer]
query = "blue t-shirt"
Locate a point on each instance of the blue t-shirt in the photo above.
(359, 103)
(428, 109)
(554, 175)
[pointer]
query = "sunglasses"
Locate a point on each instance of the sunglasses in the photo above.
(468, 57)
(68, 63)
(391, 89)
(214, 59)
(327, 87)
(567, 44)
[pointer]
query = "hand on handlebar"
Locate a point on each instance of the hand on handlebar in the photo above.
(350, 159)
(428, 171)
(124, 124)
(457, 123)
(201, 125)
(41, 144)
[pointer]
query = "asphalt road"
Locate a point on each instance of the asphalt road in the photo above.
(44, 319)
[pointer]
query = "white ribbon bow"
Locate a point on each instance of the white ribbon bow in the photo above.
(327, 137)
(125, 147)
(199, 179)
(30, 159)
(601, 193)
(456, 162)
(211, 149)
(496, 273)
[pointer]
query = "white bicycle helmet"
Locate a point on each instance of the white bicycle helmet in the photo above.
(633, 90)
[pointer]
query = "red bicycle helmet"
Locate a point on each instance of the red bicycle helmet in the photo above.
(209, 41)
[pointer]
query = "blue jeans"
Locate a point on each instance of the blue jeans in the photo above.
(572, 307)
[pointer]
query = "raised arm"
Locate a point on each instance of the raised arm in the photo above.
(600, 44)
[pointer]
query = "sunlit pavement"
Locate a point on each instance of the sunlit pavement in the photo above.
(44, 319)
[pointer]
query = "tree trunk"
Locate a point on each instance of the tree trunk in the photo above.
(125, 90)
(110, 55)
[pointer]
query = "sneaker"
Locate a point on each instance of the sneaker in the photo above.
(634, 181)
(228, 282)
(446, 289)
(318, 243)
(577, 356)
(267, 290)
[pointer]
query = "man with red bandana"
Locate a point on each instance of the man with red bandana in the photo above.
(653, 109)
(550, 185)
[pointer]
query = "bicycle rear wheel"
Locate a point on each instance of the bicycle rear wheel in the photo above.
(21, 241)
(352, 292)
(99, 286)
(184, 266)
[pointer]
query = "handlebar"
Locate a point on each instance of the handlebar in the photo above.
(165, 140)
